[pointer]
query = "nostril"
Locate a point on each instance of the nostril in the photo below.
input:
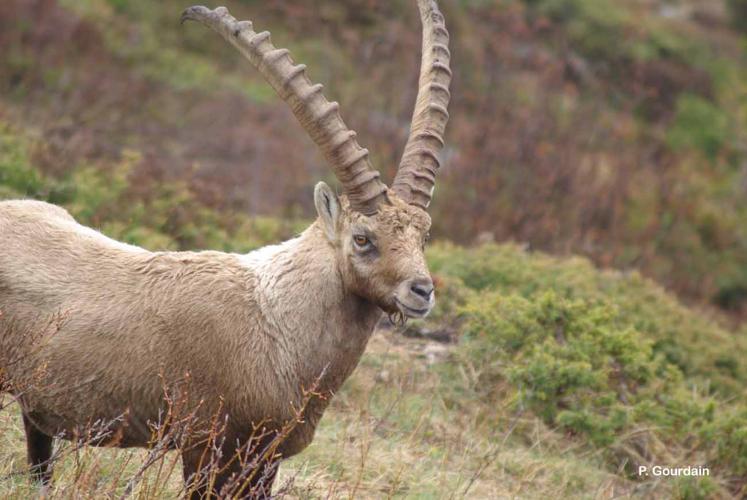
(422, 289)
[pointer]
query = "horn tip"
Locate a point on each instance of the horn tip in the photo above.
(202, 14)
(194, 13)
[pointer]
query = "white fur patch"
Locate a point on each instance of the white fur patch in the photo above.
(262, 256)
(103, 239)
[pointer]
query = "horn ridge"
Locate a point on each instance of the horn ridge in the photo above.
(430, 115)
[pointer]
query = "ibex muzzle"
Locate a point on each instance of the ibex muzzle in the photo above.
(247, 335)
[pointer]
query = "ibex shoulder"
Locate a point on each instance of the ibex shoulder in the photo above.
(26, 208)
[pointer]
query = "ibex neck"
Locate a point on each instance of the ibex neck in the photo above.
(316, 324)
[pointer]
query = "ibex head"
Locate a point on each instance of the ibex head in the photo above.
(380, 255)
(379, 232)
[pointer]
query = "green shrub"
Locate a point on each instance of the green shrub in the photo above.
(701, 349)
(728, 434)
(571, 361)
(700, 125)
(596, 27)
(17, 177)
(606, 357)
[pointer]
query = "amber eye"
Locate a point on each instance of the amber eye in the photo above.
(360, 240)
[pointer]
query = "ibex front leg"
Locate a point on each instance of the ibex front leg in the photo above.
(39, 452)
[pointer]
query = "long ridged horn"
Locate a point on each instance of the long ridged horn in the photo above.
(319, 117)
(416, 176)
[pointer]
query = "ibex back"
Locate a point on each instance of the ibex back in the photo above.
(97, 331)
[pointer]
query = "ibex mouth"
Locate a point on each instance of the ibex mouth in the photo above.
(412, 312)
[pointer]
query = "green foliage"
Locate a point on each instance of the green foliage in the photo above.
(700, 125)
(728, 434)
(603, 356)
(163, 55)
(119, 5)
(697, 346)
(17, 177)
(695, 488)
(595, 26)
(565, 358)
(611, 32)
(577, 365)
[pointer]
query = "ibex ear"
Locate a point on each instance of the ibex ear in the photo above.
(328, 208)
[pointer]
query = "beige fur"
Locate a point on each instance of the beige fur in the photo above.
(253, 330)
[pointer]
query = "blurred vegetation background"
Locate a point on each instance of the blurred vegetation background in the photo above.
(606, 130)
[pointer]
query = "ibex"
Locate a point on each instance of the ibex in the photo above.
(250, 332)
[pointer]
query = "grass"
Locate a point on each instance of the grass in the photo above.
(391, 434)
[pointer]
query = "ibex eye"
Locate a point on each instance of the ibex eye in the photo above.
(360, 240)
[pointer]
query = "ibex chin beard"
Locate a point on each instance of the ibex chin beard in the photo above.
(404, 313)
